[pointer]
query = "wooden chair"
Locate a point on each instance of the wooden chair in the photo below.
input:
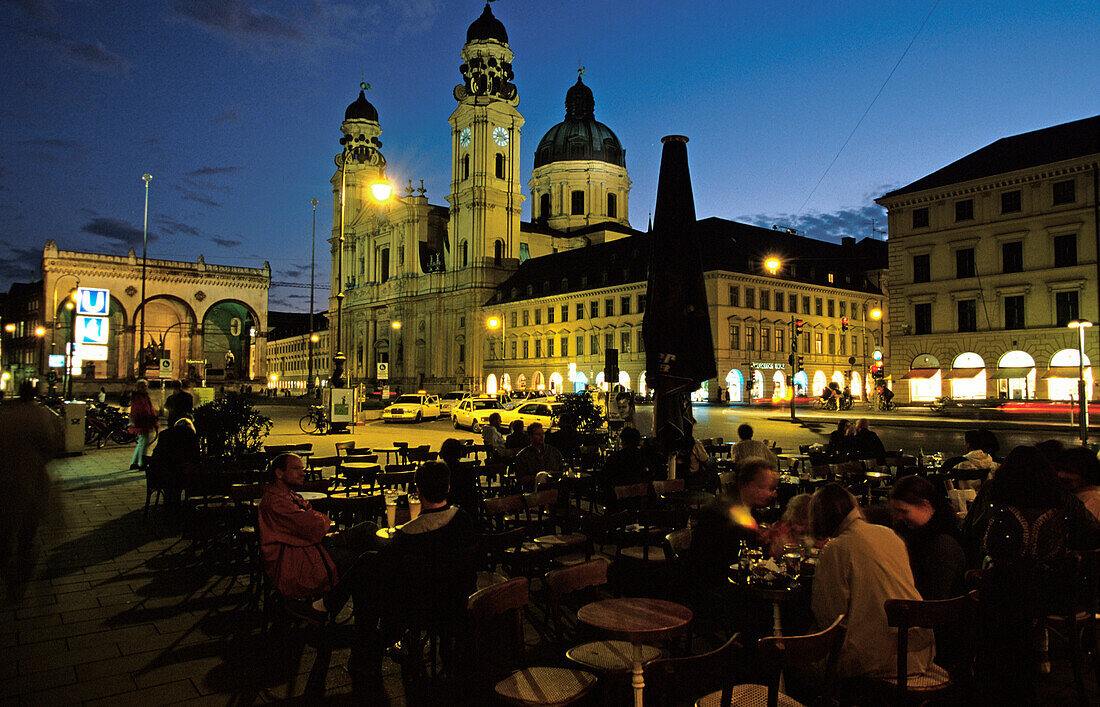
(904, 614)
(671, 486)
(505, 513)
(726, 481)
(778, 654)
(348, 511)
(494, 552)
(633, 497)
(669, 680)
(355, 452)
(580, 582)
(344, 447)
(417, 455)
(502, 605)
(317, 466)
(398, 480)
(540, 509)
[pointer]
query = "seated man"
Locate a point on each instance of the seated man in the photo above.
(517, 438)
(537, 456)
(493, 439)
(749, 448)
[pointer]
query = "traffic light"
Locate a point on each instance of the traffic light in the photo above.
(798, 327)
(876, 371)
(844, 323)
(800, 359)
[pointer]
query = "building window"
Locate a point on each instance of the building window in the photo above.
(1065, 251)
(750, 298)
(964, 262)
(564, 346)
(580, 311)
(624, 305)
(779, 301)
(843, 345)
(1010, 202)
(780, 338)
(593, 345)
(525, 348)
(500, 166)
(831, 278)
(805, 305)
(806, 341)
(513, 350)
(526, 317)
(832, 308)
(735, 296)
(832, 344)
(765, 338)
(498, 252)
(817, 306)
(735, 337)
(593, 309)
(465, 166)
(750, 338)
(641, 304)
(538, 317)
(608, 341)
(765, 299)
(513, 320)
(1063, 192)
(1065, 306)
(580, 345)
(549, 315)
(624, 342)
(922, 318)
(577, 203)
(964, 210)
(641, 342)
(544, 206)
(550, 348)
(792, 304)
(1014, 312)
(922, 268)
(385, 265)
(1012, 256)
(819, 342)
(612, 206)
(565, 312)
(462, 353)
(609, 307)
(920, 217)
(844, 309)
(968, 315)
(538, 348)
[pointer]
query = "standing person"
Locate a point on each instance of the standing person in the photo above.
(749, 448)
(179, 403)
(143, 422)
(101, 397)
(926, 522)
(861, 567)
(28, 441)
(867, 444)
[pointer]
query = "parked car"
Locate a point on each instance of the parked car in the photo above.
(473, 413)
(447, 401)
(542, 411)
(415, 407)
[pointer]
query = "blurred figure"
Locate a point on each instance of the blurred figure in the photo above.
(517, 437)
(757, 486)
(926, 522)
(143, 422)
(867, 444)
(463, 491)
(493, 440)
(179, 403)
(176, 447)
(29, 439)
(628, 465)
(1078, 472)
(841, 441)
(793, 528)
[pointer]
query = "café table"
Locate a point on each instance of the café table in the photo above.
(687, 498)
(638, 620)
(794, 461)
(312, 495)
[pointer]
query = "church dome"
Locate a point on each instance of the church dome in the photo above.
(361, 109)
(580, 136)
(487, 27)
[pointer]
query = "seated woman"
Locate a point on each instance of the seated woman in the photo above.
(841, 441)
(926, 522)
(793, 528)
(861, 567)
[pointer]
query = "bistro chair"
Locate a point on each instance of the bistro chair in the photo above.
(497, 612)
(779, 653)
(633, 497)
(668, 680)
(344, 447)
(317, 466)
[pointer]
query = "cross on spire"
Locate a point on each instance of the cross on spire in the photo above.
(580, 68)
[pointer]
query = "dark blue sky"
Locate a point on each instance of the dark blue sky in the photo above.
(234, 107)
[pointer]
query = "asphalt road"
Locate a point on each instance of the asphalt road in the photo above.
(902, 430)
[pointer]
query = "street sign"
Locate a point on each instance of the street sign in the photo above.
(383, 371)
(166, 368)
(91, 330)
(57, 361)
(93, 302)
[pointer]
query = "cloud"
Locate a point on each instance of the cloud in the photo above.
(38, 10)
(208, 171)
(19, 264)
(236, 20)
(88, 55)
(173, 227)
(116, 230)
(226, 242)
(855, 222)
(295, 271)
(49, 143)
(199, 199)
(232, 115)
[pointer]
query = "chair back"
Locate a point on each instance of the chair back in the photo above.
(402, 479)
(358, 454)
(573, 579)
(418, 454)
(491, 547)
(904, 614)
(782, 652)
(493, 611)
(632, 497)
(501, 513)
(398, 468)
(344, 447)
(668, 680)
(678, 542)
(670, 486)
(317, 464)
(726, 480)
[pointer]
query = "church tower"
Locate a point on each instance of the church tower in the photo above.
(486, 197)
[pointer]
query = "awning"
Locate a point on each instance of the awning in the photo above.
(1064, 372)
(1012, 373)
(921, 373)
(962, 373)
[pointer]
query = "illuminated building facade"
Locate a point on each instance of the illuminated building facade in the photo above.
(991, 258)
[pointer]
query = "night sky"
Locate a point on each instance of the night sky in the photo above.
(234, 107)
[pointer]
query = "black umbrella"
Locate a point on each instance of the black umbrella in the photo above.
(676, 326)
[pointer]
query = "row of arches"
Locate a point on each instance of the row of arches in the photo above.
(1015, 377)
(572, 382)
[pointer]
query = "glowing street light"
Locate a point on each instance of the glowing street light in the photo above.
(39, 331)
(10, 328)
(381, 191)
(395, 324)
(772, 265)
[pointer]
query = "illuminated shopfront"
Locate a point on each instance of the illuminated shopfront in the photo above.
(735, 384)
(967, 376)
(1015, 376)
(779, 385)
(925, 382)
(1061, 376)
(819, 383)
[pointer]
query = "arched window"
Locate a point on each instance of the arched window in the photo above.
(498, 252)
(462, 253)
(544, 206)
(577, 204)
(500, 166)
(465, 166)
(612, 206)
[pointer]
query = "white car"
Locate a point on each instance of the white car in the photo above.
(414, 407)
(447, 401)
(541, 411)
(473, 413)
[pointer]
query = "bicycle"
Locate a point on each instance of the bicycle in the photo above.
(887, 405)
(314, 422)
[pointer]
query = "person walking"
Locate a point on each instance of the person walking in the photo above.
(143, 422)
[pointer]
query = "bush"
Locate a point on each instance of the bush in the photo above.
(583, 409)
(230, 427)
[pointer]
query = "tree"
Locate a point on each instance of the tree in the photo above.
(230, 427)
(582, 409)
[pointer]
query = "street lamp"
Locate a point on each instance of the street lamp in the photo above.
(876, 314)
(312, 265)
(772, 265)
(1082, 398)
(495, 322)
(144, 244)
(72, 326)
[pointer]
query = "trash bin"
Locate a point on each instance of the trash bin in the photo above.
(73, 424)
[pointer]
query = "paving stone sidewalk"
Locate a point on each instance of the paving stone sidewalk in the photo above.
(123, 612)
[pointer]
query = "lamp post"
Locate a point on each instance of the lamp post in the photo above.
(312, 264)
(144, 245)
(72, 327)
(876, 314)
(1082, 393)
(495, 322)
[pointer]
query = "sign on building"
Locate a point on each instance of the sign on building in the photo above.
(166, 368)
(383, 371)
(93, 302)
(91, 330)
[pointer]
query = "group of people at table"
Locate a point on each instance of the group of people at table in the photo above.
(1031, 509)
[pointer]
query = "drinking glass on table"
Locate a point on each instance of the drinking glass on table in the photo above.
(391, 506)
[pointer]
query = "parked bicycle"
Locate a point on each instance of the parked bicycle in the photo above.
(314, 422)
(103, 423)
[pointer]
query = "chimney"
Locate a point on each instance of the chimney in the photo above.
(848, 242)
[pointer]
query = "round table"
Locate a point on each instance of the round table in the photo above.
(638, 620)
(312, 495)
